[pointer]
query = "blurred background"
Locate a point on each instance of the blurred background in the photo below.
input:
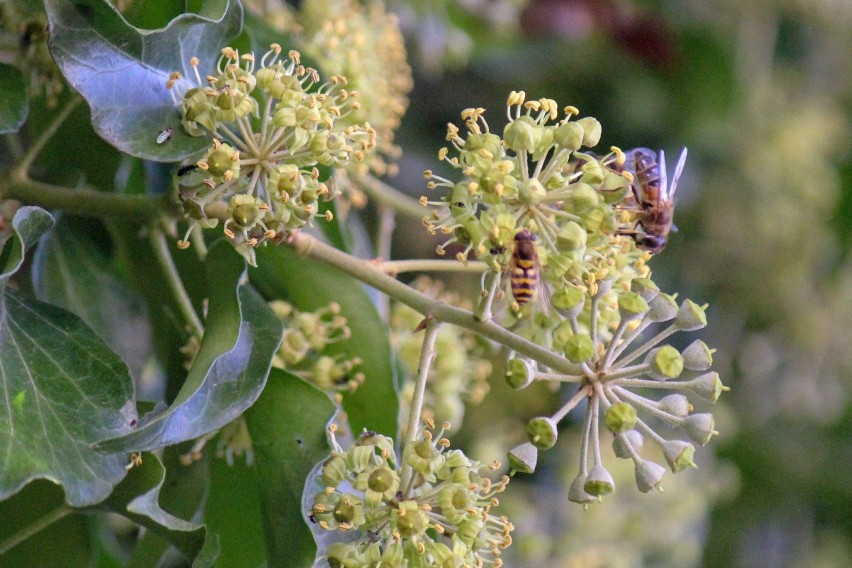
(760, 93)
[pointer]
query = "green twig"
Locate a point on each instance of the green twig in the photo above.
(366, 272)
(21, 171)
(87, 202)
(36, 526)
(431, 265)
(427, 353)
(175, 284)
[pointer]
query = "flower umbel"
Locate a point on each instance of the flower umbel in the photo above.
(272, 122)
(434, 508)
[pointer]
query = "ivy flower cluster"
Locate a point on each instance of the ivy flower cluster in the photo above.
(581, 212)
(609, 371)
(432, 508)
(306, 337)
(272, 123)
(461, 368)
(533, 177)
(363, 43)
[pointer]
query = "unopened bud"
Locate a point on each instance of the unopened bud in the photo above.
(542, 433)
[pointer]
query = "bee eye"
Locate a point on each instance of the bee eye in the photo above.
(652, 243)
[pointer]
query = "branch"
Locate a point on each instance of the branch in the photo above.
(367, 273)
(393, 267)
(87, 202)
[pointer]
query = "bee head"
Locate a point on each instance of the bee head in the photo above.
(651, 243)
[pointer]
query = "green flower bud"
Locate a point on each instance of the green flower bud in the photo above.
(645, 287)
(690, 317)
(569, 299)
(648, 475)
(559, 264)
(522, 458)
(675, 404)
(520, 373)
(697, 357)
(594, 220)
(593, 173)
(699, 427)
(631, 305)
(409, 519)
(620, 417)
(487, 141)
(531, 192)
(245, 210)
(576, 491)
(708, 386)
(349, 510)
(678, 454)
(614, 188)
(599, 482)
(221, 161)
(579, 348)
(584, 198)
(572, 237)
(665, 362)
(622, 444)
(562, 334)
(423, 457)
(662, 308)
(542, 433)
(522, 134)
(334, 470)
(569, 135)
(455, 499)
(591, 131)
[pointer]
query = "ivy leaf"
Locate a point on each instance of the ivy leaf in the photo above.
(287, 426)
(309, 285)
(13, 99)
(61, 388)
(137, 497)
(71, 271)
(122, 71)
(241, 336)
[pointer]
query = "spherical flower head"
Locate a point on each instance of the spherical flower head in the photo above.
(365, 44)
(272, 120)
(444, 517)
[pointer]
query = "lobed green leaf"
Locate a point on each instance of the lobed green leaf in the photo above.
(14, 105)
(287, 426)
(229, 372)
(122, 71)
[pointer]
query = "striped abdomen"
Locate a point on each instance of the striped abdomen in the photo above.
(524, 267)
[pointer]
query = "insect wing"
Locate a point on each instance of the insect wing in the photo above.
(164, 136)
(664, 182)
(678, 170)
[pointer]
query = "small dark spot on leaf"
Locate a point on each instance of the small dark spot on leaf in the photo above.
(299, 441)
(133, 423)
(85, 11)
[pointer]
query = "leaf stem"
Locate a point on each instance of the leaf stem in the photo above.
(483, 310)
(161, 250)
(390, 196)
(366, 272)
(427, 353)
(394, 267)
(21, 171)
(87, 202)
(36, 526)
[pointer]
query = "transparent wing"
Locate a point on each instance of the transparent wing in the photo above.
(664, 186)
(678, 170)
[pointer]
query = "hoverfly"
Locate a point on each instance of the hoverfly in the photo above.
(654, 197)
(524, 267)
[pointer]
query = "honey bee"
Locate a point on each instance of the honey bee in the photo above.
(654, 197)
(524, 267)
